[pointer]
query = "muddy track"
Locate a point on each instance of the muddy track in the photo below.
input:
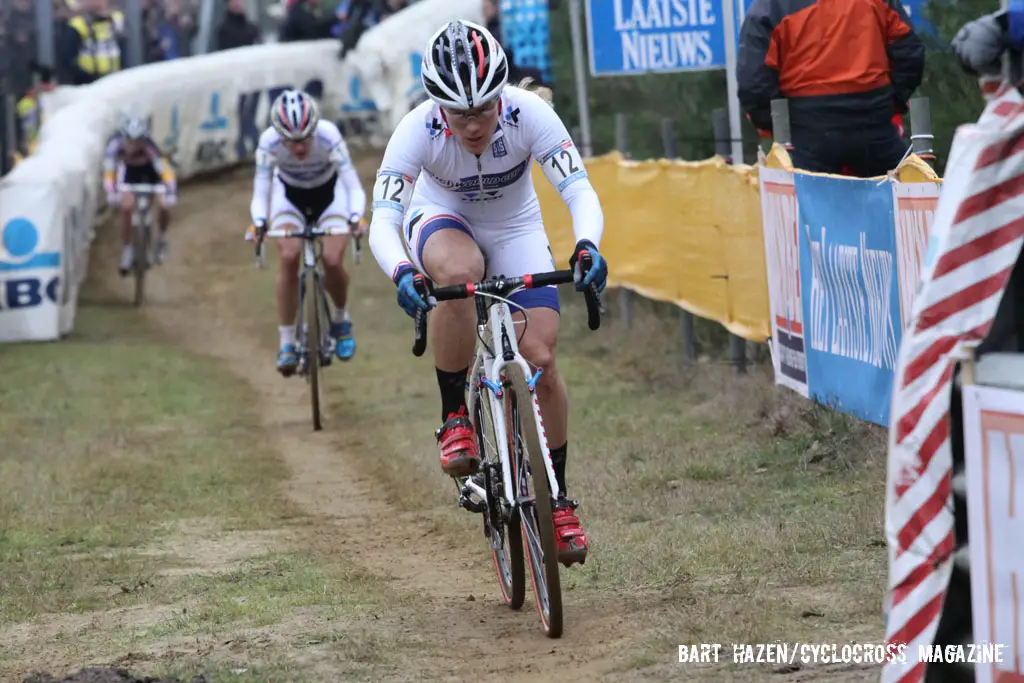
(464, 630)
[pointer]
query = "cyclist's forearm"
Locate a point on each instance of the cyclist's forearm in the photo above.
(349, 180)
(587, 216)
(386, 244)
(258, 208)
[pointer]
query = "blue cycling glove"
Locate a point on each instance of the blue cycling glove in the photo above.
(408, 298)
(598, 272)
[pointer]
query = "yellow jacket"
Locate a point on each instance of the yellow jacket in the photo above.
(99, 53)
(29, 123)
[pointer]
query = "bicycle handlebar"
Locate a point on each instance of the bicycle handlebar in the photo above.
(503, 286)
(142, 188)
(308, 233)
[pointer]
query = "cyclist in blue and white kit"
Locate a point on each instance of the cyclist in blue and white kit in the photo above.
(304, 173)
(455, 187)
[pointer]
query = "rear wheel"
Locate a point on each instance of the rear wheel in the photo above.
(537, 523)
(503, 527)
(140, 257)
(313, 340)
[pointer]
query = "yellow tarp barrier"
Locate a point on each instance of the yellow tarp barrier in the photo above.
(685, 232)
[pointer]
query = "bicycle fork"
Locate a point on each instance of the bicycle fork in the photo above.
(491, 493)
(301, 324)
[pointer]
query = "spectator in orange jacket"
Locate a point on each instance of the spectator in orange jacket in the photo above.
(847, 69)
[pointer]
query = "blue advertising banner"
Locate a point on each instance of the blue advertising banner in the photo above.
(525, 29)
(851, 300)
(663, 36)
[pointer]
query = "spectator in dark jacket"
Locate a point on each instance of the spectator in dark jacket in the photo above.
(303, 22)
(236, 30)
(845, 68)
(363, 14)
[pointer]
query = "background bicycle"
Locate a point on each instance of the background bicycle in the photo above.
(143, 245)
(314, 346)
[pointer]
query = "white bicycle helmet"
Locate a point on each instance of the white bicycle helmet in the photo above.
(134, 127)
(464, 66)
(294, 115)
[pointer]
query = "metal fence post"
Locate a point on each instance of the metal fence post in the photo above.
(10, 132)
(723, 147)
(921, 138)
(622, 144)
(45, 43)
(135, 33)
(668, 139)
(781, 132)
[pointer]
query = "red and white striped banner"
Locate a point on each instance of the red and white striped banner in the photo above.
(974, 244)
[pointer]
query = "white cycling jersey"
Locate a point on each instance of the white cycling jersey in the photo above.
(425, 165)
(328, 155)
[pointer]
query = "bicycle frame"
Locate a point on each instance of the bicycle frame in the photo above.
(491, 371)
(143, 193)
(312, 248)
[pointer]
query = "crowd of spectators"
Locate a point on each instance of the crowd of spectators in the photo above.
(82, 53)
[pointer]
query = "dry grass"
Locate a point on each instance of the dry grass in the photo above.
(143, 521)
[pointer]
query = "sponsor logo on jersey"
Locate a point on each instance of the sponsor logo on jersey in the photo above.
(483, 188)
(436, 128)
(512, 116)
(498, 148)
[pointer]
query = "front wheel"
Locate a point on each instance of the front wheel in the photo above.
(503, 528)
(140, 257)
(313, 340)
(531, 481)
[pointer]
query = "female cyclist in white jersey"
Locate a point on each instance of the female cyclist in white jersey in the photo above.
(313, 180)
(455, 187)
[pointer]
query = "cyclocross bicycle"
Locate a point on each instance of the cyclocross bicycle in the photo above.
(516, 485)
(143, 256)
(314, 346)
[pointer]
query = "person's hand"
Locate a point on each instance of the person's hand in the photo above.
(408, 298)
(355, 226)
(596, 275)
(256, 231)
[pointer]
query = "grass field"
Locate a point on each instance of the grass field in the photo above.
(164, 505)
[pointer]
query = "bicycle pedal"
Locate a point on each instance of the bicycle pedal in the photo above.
(467, 504)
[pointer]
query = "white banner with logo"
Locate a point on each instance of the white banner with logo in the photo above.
(207, 114)
(780, 218)
(994, 460)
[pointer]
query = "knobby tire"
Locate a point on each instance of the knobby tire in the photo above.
(524, 425)
(313, 340)
(513, 591)
(140, 259)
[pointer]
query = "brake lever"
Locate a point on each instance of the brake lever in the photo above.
(423, 289)
(595, 308)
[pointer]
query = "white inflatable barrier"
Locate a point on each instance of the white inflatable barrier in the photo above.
(207, 113)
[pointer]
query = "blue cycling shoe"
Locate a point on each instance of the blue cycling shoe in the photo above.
(345, 346)
(287, 361)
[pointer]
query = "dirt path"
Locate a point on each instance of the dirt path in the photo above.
(443, 620)
(463, 625)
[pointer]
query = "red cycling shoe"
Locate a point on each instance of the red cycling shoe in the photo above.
(459, 453)
(569, 535)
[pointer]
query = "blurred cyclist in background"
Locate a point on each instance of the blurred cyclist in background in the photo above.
(304, 174)
(134, 158)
